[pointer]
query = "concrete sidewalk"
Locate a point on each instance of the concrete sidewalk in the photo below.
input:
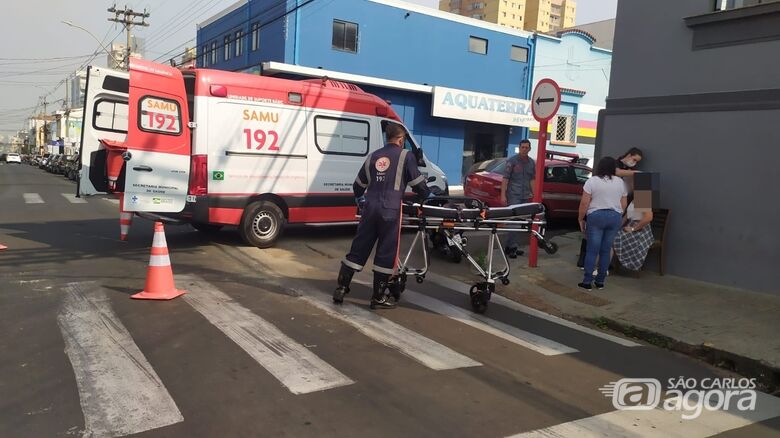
(731, 328)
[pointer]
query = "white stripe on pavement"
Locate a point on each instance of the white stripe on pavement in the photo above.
(504, 331)
(112, 200)
(661, 423)
(297, 368)
(32, 198)
(463, 288)
(425, 351)
(119, 390)
(73, 199)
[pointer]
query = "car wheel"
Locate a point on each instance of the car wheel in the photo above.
(261, 224)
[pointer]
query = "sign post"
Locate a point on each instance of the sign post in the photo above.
(545, 102)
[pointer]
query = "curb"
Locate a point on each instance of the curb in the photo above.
(767, 377)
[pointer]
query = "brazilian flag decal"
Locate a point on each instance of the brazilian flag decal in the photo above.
(218, 175)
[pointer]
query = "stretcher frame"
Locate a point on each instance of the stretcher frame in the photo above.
(527, 218)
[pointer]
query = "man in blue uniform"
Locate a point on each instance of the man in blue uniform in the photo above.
(517, 187)
(382, 180)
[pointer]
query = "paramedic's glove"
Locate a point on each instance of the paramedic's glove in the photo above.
(360, 202)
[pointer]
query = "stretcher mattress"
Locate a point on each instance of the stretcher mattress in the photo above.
(470, 214)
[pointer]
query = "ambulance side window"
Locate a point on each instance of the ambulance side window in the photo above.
(339, 136)
(159, 115)
(110, 115)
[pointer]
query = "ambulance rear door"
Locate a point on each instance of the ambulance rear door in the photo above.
(158, 140)
(104, 118)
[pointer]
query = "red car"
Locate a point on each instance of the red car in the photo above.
(564, 176)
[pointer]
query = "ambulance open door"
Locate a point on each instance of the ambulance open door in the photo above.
(156, 153)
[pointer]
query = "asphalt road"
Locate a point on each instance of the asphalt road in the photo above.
(255, 348)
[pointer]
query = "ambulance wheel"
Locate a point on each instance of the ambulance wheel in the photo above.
(206, 228)
(261, 224)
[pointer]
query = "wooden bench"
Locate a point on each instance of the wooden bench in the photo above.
(660, 225)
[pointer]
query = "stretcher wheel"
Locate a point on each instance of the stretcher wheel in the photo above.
(550, 247)
(419, 279)
(478, 298)
(505, 281)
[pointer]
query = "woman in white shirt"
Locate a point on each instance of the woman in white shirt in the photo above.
(603, 201)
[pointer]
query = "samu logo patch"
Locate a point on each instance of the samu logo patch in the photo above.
(382, 164)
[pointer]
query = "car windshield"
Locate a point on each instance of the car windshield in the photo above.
(496, 166)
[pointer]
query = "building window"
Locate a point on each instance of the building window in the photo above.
(213, 53)
(204, 55)
(341, 136)
(345, 36)
(226, 48)
(478, 45)
(255, 36)
(565, 129)
(239, 43)
(724, 5)
(518, 53)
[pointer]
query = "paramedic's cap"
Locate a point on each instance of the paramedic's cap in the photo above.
(647, 193)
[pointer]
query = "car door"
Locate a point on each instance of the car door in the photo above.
(104, 118)
(158, 145)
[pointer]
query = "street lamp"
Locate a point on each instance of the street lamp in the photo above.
(110, 52)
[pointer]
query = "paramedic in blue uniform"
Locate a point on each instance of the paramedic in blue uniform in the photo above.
(382, 181)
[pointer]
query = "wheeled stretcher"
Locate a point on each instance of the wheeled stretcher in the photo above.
(453, 216)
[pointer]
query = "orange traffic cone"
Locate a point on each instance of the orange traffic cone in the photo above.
(159, 276)
(125, 219)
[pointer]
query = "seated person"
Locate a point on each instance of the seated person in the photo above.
(634, 239)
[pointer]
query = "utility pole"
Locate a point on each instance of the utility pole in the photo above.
(127, 18)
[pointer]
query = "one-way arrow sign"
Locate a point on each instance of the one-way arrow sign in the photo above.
(546, 99)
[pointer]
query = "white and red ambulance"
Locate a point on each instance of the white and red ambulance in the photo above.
(217, 148)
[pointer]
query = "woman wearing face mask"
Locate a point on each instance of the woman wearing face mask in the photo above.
(626, 163)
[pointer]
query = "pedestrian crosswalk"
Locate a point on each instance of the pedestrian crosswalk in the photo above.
(121, 393)
(37, 198)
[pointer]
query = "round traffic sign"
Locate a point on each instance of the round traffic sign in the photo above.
(545, 100)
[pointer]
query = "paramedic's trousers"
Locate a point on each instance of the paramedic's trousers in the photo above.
(375, 224)
(513, 238)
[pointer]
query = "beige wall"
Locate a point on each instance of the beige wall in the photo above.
(530, 15)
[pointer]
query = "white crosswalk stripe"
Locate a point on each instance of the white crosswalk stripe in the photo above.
(112, 200)
(32, 198)
(120, 392)
(297, 368)
(660, 423)
(425, 351)
(73, 199)
(463, 288)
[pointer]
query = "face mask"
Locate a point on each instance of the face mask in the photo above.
(630, 163)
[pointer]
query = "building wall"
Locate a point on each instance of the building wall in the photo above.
(430, 50)
(707, 137)
(574, 63)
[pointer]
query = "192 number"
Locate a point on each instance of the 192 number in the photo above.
(158, 121)
(257, 138)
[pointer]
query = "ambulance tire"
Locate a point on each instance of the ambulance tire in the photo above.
(261, 224)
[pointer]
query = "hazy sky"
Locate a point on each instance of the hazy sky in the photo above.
(39, 51)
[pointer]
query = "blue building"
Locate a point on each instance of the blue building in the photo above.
(582, 70)
(460, 85)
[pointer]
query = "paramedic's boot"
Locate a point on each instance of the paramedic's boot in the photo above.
(380, 300)
(397, 286)
(345, 278)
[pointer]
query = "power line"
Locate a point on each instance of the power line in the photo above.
(261, 26)
(269, 9)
